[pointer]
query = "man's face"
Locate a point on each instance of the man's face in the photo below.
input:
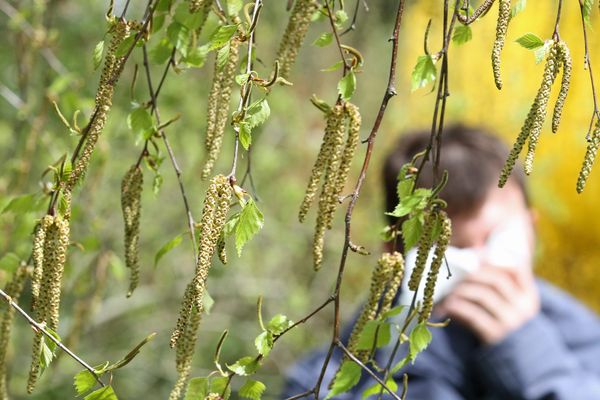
(501, 205)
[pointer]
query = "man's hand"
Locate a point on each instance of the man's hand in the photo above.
(493, 302)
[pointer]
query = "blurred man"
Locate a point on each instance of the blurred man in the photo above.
(511, 336)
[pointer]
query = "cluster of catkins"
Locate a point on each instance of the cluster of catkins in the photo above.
(428, 239)
(13, 288)
(131, 205)
(558, 57)
(385, 281)
(218, 106)
(590, 157)
(294, 35)
(51, 239)
(333, 163)
(214, 216)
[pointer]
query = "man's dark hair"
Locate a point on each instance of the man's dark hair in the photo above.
(472, 157)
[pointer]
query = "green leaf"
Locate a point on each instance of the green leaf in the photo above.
(252, 390)
(323, 40)
(167, 247)
(423, 73)
(234, 7)
(420, 337)
(250, 222)
(179, 36)
(125, 45)
(98, 50)
(372, 329)
(416, 201)
(9, 262)
(278, 324)
(333, 67)
(140, 123)
(587, 11)
(245, 134)
(220, 385)
(131, 355)
(222, 36)
(540, 52)
(377, 388)
(196, 57)
(105, 393)
(223, 56)
(161, 52)
(341, 16)
(158, 21)
(347, 85)
(518, 8)
(157, 182)
(392, 312)
(48, 349)
(530, 41)
(197, 389)
(400, 364)
(411, 230)
(191, 21)
(84, 382)
(258, 113)
(244, 366)
(264, 343)
(346, 378)
(462, 34)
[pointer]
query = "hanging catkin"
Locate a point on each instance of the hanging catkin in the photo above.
(294, 35)
(333, 164)
(13, 289)
(131, 205)
(396, 263)
(501, 29)
(110, 74)
(567, 64)
(590, 157)
(218, 106)
(38, 256)
(434, 269)
(425, 244)
(478, 12)
(48, 303)
(214, 214)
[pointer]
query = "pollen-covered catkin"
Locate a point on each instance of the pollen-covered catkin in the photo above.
(13, 289)
(38, 256)
(501, 29)
(103, 101)
(379, 279)
(396, 263)
(131, 205)
(425, 243)
(294, 35)
(567, 64)
(218, 106)
(543, 96)
(221, 252)
(434, 269)
(334, 121)
(590, 157)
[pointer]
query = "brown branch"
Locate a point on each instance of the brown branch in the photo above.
(337, 38)
(39, 327)
(588, 62)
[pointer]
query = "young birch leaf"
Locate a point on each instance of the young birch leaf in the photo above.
(347, 85)
(530, 41)
(48, 349)
(98, 50)
(278, 324)
(105, 393)
(252, 390)
(323, 40)
(518, 8)
(346, 378)
(540, 52)
(423, 73)
(587, 11)
(234, 6)
(197, 56)
(373, 329)
(84, 381)
(264, 343)
(167, 247)
(411, 231)
(333, 67)
(125, 45)
(244, 366)
(250, 222)
(462, 34)
(140, 122)
(223, 56)
(161, 52)
(179, 36)
(197, 389)
(258, 113)
(245, 134)
(222, 36)
(420, 337)
(220, 384)
(376, 388)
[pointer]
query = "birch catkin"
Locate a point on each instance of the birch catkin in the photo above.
(501, 29)
(434, 269)
(294, 35)
(590, 157)
(567, 64)
(396, 263)
(214, 215)
(425, 244)
(38, 256)
(131, 205)
(218, 106)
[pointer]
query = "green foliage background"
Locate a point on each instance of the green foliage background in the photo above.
(276, 264)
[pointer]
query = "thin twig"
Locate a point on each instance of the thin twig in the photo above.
(337, 38)
(588, 62)
(39, 327)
